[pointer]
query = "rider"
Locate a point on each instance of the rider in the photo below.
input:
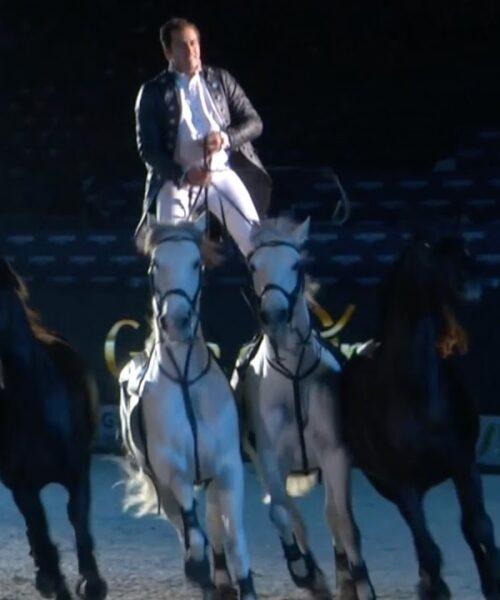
(194, 128)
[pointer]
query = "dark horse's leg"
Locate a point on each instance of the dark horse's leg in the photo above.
(49, 579)
(478, 530)
(431, 586)
(91, 584)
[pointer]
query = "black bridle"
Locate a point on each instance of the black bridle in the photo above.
(159, 297)
(276, 363)
(292, 296)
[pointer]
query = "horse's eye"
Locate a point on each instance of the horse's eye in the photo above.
(295, 266)
(252, 268)
(196, 264)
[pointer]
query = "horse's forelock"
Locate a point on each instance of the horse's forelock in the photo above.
(155, 234)
(280, 229)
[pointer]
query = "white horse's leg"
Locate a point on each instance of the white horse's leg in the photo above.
(172, 512)
(215, 530)
(283, 513)
(343, 581)
(176, 480)
(337, 472)
(230, 492)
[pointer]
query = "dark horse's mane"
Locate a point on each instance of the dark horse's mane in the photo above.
(418, 285)
(69, 362)
(9, 278)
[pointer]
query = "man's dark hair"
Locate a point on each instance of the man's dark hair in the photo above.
(174, 24)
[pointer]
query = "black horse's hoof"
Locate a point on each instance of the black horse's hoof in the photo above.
(433, 591)
(63, 594)
(92, 588)
(45, 584)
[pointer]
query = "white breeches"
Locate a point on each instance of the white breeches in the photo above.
(228, 200)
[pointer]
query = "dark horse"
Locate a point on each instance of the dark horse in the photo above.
(410, 420)
(47, 415)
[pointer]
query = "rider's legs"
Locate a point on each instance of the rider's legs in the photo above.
(228, 199)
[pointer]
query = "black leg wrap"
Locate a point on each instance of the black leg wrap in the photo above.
(246, 585)
(198, 571)
(293, 553)
(190, 521)
(220, 563)
(341, 562)
(360, 573)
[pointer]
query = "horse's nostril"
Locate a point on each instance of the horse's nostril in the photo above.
(264, 317)
(281, 316)
(183, 322)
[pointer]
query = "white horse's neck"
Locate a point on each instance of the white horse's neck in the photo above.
(290, 348)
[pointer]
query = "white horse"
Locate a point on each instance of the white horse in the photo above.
(286, 384)
(180, 422)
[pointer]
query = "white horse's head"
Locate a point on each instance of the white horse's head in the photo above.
(175, 272)
(275, 264)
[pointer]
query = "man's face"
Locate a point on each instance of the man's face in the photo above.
(184, 51)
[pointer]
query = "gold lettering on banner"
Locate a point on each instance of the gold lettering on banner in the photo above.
(110, 344)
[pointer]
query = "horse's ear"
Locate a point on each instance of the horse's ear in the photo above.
(200, 223)
(143, 237)
(301, 232)
(7, 277)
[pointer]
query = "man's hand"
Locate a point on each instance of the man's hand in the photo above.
(198, 177)
(213, 142)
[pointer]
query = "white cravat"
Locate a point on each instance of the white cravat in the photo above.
(198, 117)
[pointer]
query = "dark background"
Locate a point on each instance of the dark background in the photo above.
(362, 85)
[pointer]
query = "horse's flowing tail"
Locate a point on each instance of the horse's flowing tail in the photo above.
(141, 496)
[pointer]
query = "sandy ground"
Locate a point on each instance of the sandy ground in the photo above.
(140, 558)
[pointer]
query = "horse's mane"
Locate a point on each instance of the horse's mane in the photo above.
(16, 283)
(406, 296)
(281, 230)
(154, 234)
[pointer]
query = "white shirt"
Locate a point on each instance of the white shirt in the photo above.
(198, 117)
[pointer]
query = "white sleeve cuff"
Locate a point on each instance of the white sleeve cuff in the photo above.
(225, 140)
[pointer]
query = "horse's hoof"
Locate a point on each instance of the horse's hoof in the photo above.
(45, 584)
(347, 591)
(63, 594)
(322, 595)
(226, 592)
(198, 572)
(92, 588)
(433, 591)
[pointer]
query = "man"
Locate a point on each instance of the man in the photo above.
(194, 128)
